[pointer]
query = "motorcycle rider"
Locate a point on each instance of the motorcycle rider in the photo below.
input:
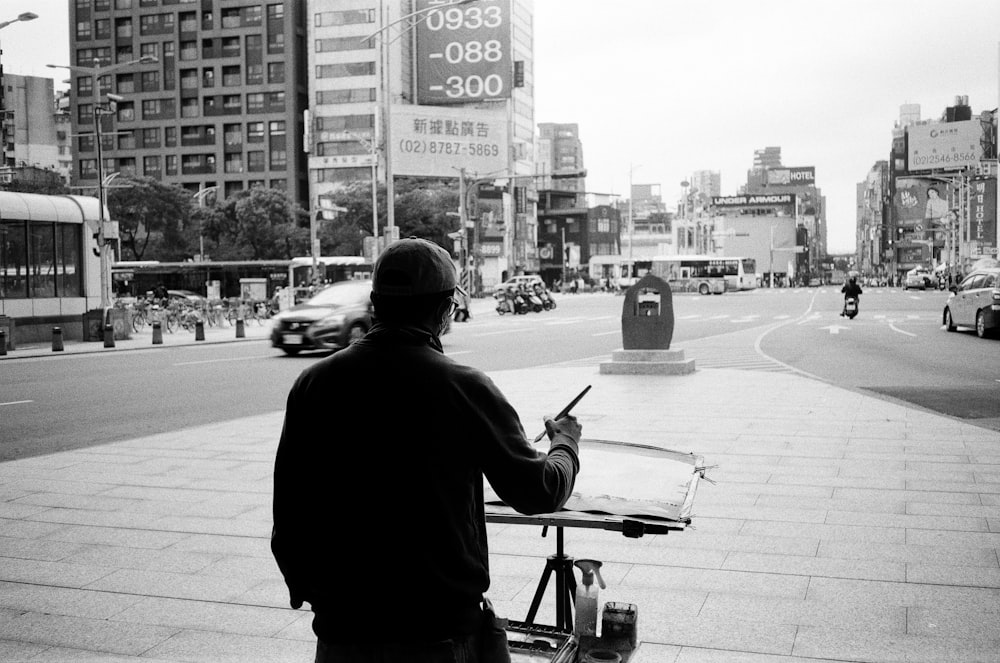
(851, 289)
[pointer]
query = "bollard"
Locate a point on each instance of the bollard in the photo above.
(109, 336)
(3, 342)
(199, 330)
(241, 331)
(157, 333)
(57, 339)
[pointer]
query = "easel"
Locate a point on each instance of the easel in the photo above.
(562, 566)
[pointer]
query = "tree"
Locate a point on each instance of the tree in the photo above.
(422, 210)
(152, 217)
(258, 224)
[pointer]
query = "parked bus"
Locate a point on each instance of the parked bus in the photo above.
(137, 278)
(622, 272)
(706, 274)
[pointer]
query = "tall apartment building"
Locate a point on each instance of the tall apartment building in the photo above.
(29, 122)
(564, 150)
(221, 106)
(347, 83)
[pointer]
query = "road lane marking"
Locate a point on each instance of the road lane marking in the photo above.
(16, 403)
(895, 328)
(218, 361)
(459, 352)
(617, 331)
(834, 329)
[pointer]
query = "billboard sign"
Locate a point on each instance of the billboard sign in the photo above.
(755, 200)
(791, 176)
(983, 216)
(944, 145)
(463, 51)
(434, 141)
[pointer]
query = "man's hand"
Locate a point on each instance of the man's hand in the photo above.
(568, 428)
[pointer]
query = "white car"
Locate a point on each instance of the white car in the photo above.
(517, 282)
(975, 302)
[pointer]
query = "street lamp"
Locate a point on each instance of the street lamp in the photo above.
(199, 196)
(26, 16)
(110, 108)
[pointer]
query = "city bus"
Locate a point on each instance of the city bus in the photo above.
(137, 278)
(622, 272)
(706, 274)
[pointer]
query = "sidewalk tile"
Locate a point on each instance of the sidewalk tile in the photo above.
(70, 602)
(117, 557)
(207, 647)
(19, 652)
(709, 580)
(800, 612)
(116, 536)
(853, 645)
(89, 634)
(211, 615)
(172, 585)
(969, 576)
(816, 566)
(56, 574)
(911, 554)
(953, 623)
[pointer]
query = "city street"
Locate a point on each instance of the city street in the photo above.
(896, 348)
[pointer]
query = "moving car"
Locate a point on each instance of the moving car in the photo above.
(332, 319)
(186, 296)
(517, 282)
(975, 302)
(918, 277)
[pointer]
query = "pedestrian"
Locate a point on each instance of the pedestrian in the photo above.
(379, 519)
(462, 313)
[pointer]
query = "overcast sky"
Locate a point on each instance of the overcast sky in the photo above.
(665, 88)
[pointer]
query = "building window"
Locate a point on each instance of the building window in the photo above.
(276, 128)
(88, 168)
(126, 112)
(276, 43)
(123, 28)
(350, 96)
(343, 44)
(171, 160)
(275, 12)
(349, 17)
(255, 102)
(151, 137)
(275, 102)
(150, 109)
(85, 143)
(126, 140)
(170, 136)
(255, 132)
(40, 259)
(189, 50)
(123, 4)
(189, 107)
(189, 79)
(233, 163)
(148, 50)
(83, 31)
(102, 28)
(279, 159)
(231, 103)
(345, 69)
(188, 22)
(84, 113)
(255, 161)
(275, 72)
(232, 134)
(150, 81)
(230, 47)
(345, 122)
(151, 167)
(255, 74)
(84, 86)
(208, 77)
(231, 76)
(125, 83)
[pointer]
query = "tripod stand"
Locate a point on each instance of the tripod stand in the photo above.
(562, 566)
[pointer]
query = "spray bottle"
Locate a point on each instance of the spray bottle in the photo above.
(586, 597)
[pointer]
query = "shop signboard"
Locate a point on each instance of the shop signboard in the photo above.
(463, 51)
(435, 141)
(983, 215)
(755, 200)
(944, 145)
(791, 176)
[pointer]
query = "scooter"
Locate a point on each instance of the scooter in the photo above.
(534, 302)
(851, 307)
(505, 303)
(548, 301)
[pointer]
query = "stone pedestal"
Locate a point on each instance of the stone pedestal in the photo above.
(647, 362)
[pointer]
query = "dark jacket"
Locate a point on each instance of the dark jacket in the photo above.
(378, 490)
(851, 289)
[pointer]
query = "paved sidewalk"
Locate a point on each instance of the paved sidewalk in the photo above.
(840, 527)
